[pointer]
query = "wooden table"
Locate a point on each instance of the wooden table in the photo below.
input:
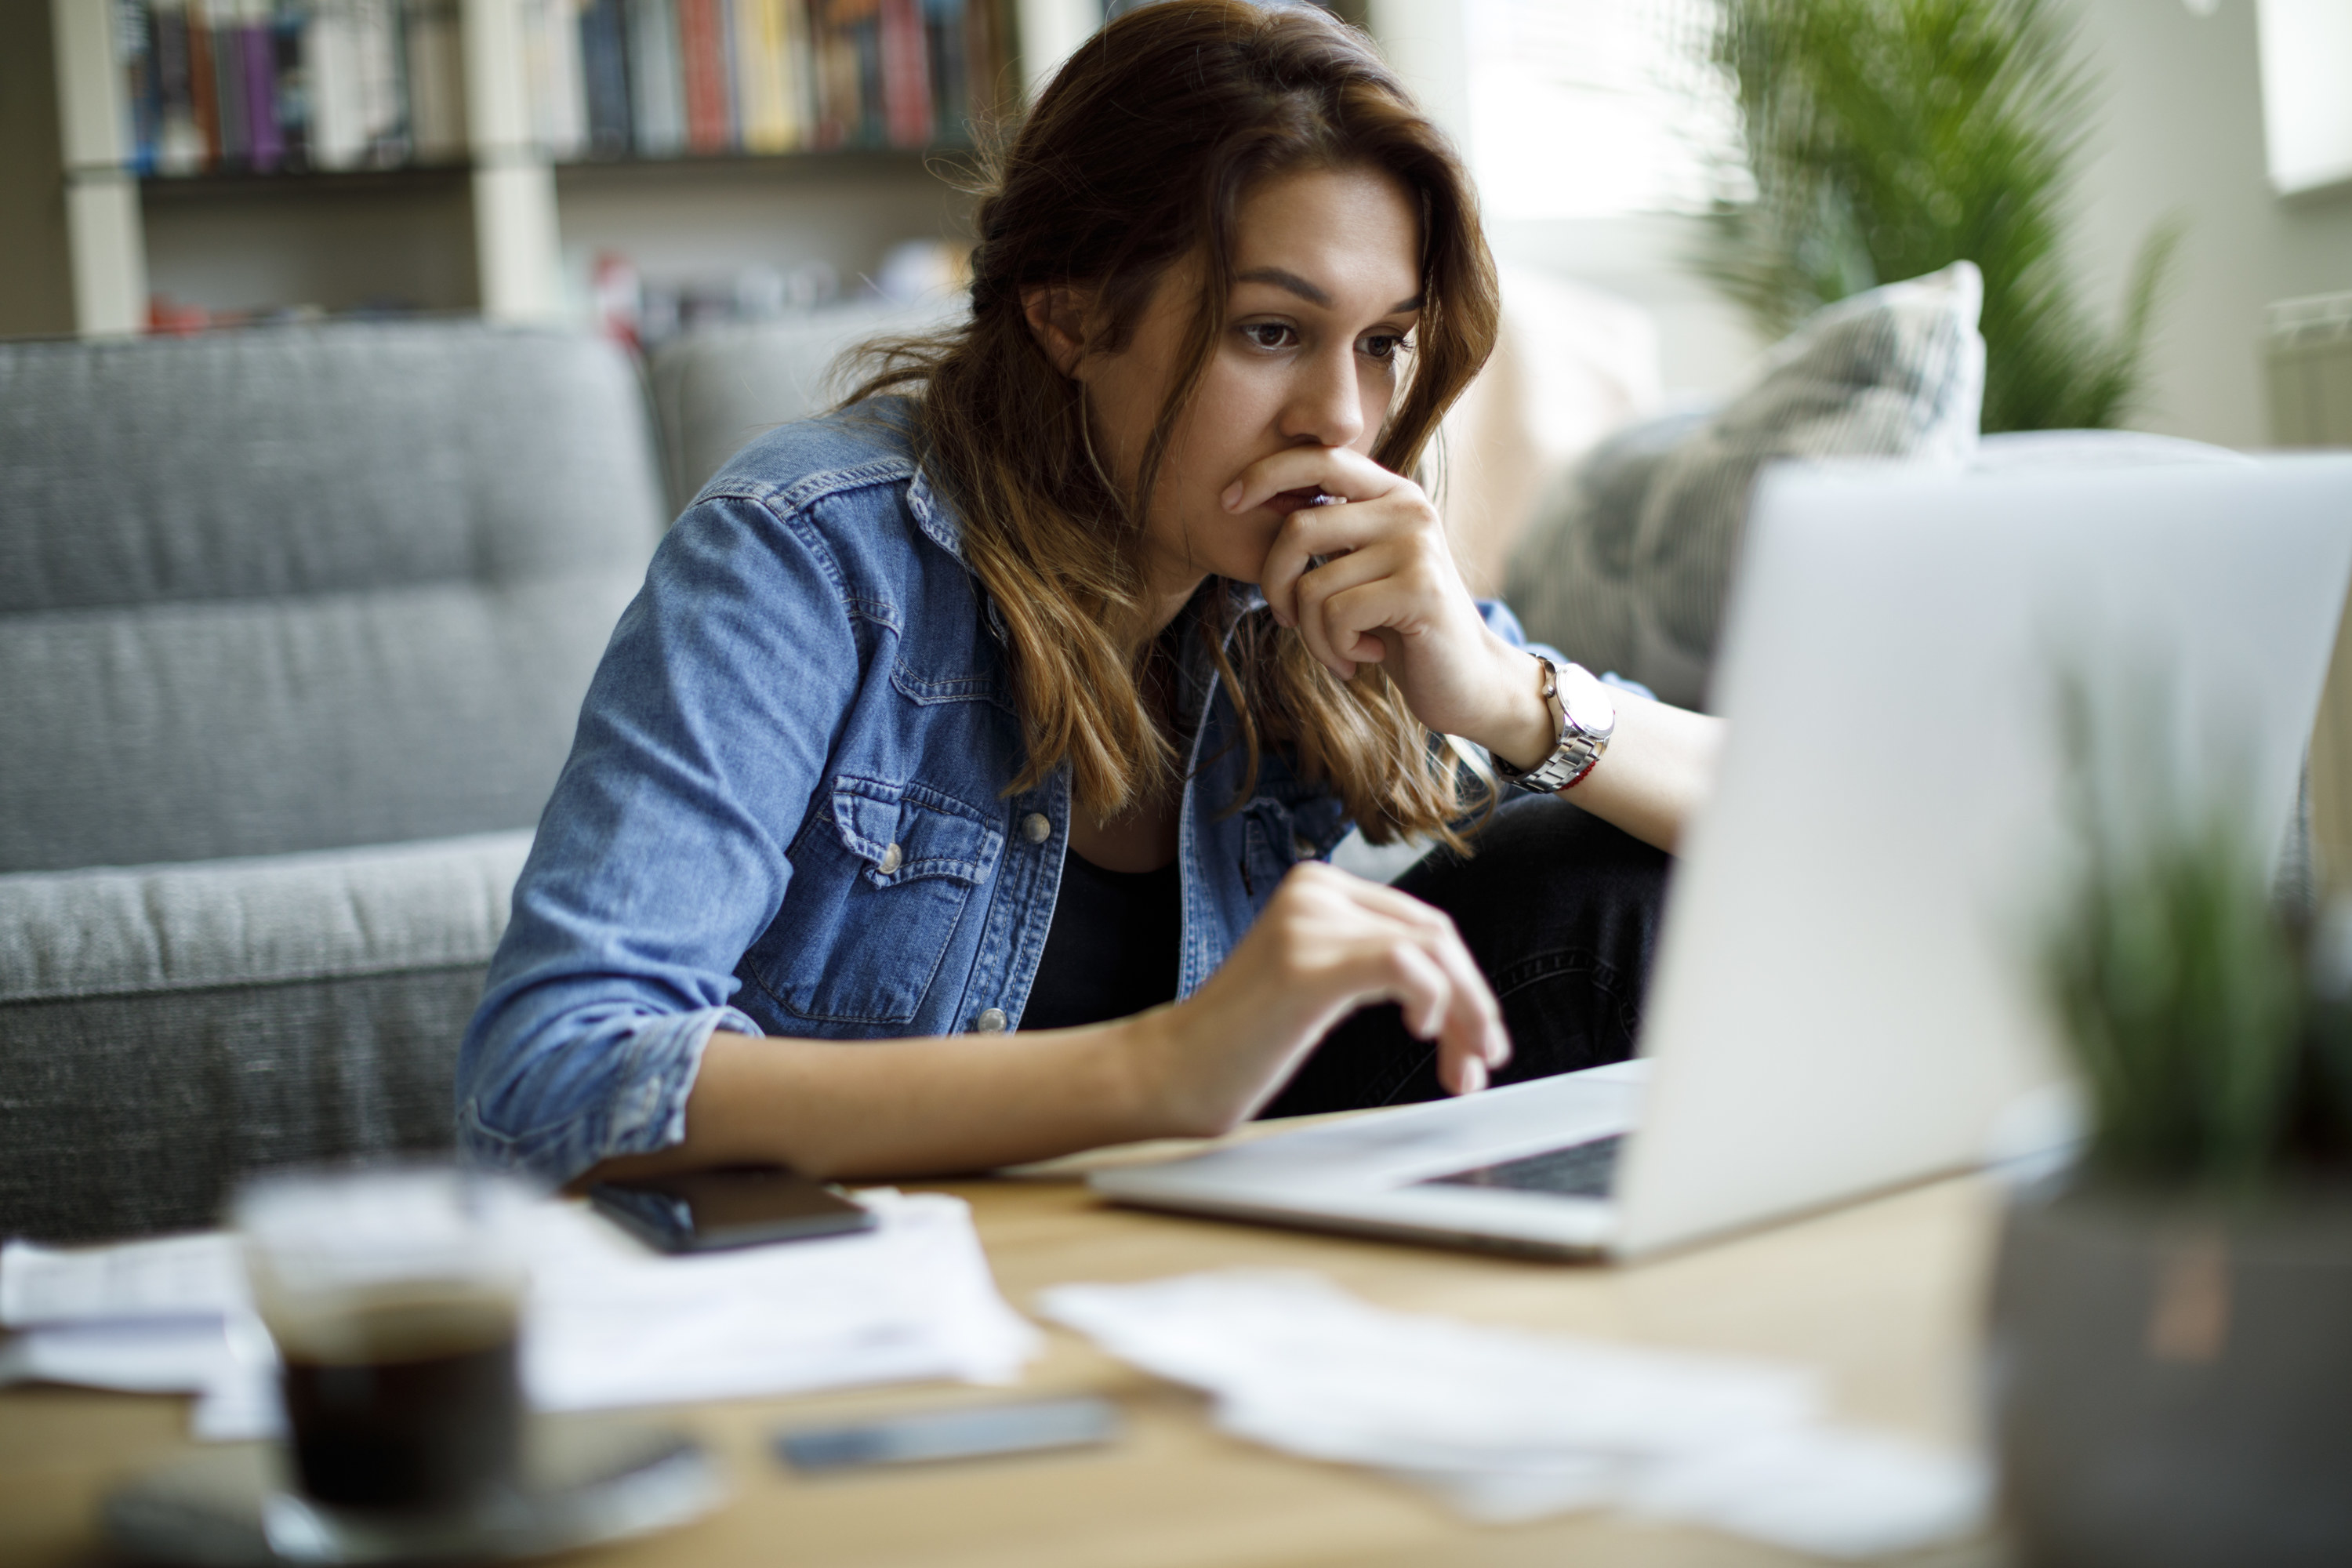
(1884, 1295)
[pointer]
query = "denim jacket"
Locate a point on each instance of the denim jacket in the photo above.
(788, 810)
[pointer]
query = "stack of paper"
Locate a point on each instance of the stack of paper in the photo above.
(1512, 1426)
(607, 1323)
(148, 1317)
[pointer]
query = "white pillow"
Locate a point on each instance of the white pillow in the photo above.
(1628, 560)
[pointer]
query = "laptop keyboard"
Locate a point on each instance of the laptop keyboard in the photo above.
(1578, 1171)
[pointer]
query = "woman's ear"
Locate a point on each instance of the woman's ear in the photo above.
(1056, 314)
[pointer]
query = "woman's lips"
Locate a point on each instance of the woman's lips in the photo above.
(1285, 502)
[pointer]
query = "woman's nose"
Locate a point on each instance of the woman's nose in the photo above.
(1324, 407)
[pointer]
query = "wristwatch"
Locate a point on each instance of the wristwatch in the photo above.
(1587, 720)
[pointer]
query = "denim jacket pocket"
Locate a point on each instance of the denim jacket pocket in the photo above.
(879, 882)
(1277, 834)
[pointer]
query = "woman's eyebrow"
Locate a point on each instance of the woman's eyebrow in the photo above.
(1309, 291)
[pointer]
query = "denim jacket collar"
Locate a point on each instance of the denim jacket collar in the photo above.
(934, 516)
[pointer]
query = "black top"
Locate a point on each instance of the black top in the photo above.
(1112, 949)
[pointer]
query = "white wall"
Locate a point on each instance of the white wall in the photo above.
(1705, 345)
(2182, 132)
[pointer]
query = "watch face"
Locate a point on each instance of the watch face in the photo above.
(1587, 702)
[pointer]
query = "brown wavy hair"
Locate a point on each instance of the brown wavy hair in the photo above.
(1136, 158)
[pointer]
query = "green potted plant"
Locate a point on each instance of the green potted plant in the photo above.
(1887, 139)
(2170, 1347)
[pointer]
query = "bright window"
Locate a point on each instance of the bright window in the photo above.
(1582, 109)
(2308, 92)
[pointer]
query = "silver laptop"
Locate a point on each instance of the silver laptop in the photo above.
(1843, 1001)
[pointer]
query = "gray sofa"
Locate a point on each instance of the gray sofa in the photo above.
(294, 626)
(715, 390)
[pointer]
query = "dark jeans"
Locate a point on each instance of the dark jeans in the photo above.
(1561, 911)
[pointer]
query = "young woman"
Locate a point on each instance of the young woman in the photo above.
(955, 793)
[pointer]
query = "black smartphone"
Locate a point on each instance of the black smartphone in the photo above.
(730, 1205)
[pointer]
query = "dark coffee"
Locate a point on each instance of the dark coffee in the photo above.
(411, 1406)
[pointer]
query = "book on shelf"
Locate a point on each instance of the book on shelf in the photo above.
(271, 86)
(137, 58)
(906, 75)
(767, 90)
(231, 108)
(432, 41)
(604, 77)
(656, 79)
(555, 77)
(704, 50)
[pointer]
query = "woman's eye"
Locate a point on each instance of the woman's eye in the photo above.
(1386, 346)
(1269, 334)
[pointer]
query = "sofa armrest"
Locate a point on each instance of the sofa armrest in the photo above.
(163, 1028)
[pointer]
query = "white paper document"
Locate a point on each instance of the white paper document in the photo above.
(607, 1323)
(145, 1317)
(612, 1324)
(1507, 1424)
(169, 1275)
(136, 1355)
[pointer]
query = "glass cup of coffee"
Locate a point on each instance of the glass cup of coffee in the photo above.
(392, 1294)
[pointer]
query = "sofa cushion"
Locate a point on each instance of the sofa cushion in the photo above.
(294, 590)
(325, 459)
(716, 388)
(147, 929)
(201, 730)
(1629, 560)
(128, 1114)
(163, 1028)
(1572, 366)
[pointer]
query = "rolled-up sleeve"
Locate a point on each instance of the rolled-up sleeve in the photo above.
(1505, 624)
(662, 854)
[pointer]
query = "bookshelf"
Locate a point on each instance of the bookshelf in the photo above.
(485, 225)
(105, 244)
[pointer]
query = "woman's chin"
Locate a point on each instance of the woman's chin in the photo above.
(1249, 569)
(1245, 561)
(1218, 544)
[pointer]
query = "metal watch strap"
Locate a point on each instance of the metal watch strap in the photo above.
(1579, 746)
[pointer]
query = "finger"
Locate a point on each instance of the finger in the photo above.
(1314, 592)
(1468, 1058)
(1399, 905)
(1348, 618)
(1444, 939)
(1392, 967)
(1298, 545)
(1477, 1015)
(1476, 1018)
(1410, 953)
(1335, 471)
(1329, 532)
(1354, 901)
(1463, 1043)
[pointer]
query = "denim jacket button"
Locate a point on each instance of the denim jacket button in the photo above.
(1301, 850)
(891, 860)
(1036, 827)
(991, 1021)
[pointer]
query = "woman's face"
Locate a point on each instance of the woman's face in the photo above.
(1328, 264)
